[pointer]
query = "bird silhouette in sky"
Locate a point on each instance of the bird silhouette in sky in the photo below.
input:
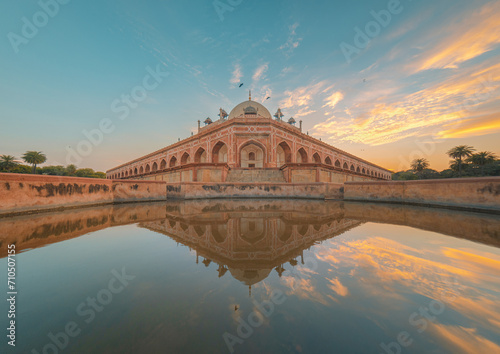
(268, 98)
(241, 84)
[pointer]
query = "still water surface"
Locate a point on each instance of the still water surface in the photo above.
(254, 277)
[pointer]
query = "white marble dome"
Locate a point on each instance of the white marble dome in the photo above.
(249, 107)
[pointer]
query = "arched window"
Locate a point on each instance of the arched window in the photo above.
(185, 159)
(284, 154)
(301, 156)
(148, 169)
(155, 167)
(316, 158)
(163, 164)
(252, 155)
(141, 170)
(200, 156)
(328, 161)
(345, 166)
(173, 162)
(219, 153)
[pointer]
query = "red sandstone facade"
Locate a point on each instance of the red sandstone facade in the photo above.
(249, 139)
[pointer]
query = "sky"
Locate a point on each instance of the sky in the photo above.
(99, 83)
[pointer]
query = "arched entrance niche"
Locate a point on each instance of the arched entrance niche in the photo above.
(219, 153)
(185, 159)
(200, 156)
(252, 155)
(301, 156)
(316, 158)
(284, 154)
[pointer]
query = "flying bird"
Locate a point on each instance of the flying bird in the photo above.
(241, 84)
(268, 98)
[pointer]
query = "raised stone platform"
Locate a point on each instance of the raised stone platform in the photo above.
(255, 175)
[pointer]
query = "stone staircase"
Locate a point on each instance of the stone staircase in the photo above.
(255, 175)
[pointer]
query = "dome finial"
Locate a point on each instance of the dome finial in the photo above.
(249, 95)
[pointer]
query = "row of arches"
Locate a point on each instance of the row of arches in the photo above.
(285, 156)
(219, 155)
(251, 155)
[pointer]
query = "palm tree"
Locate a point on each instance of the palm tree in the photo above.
(482, 158)
(418, 165)
(7, 162)
(34, 158)
(459, 152)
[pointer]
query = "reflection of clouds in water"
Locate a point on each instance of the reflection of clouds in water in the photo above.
(390, 273)
(463, 340)
(305, 289)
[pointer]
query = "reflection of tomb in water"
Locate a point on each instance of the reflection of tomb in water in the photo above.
(251, 243)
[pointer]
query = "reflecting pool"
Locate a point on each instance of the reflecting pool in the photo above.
(256, 276)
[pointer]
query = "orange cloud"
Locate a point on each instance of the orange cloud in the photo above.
(333, 99)
(425, 112)
(301, 96)
(479, 126)
(474, 35)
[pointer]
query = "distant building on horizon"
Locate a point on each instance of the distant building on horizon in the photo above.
(250, 145)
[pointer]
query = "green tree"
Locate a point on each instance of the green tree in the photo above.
(71, 170)
(34, 158)
(53, 170)
(418, 165)
(8, 162)
(460, 152)
(481, 159)
(84, 172)
(404, 176)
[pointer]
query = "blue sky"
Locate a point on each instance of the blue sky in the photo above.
(427, 79)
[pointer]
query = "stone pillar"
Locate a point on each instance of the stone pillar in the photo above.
(300, 123)
(199, 125)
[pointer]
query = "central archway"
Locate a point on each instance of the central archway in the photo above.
(252, 155)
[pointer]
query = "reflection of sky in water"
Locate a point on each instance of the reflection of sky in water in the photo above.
(354, 291)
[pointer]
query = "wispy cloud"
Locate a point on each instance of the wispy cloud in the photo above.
(293, 41)
(260, 72)
(237, 74)
(301, 96)
(332, 100)
(485, 124)
(464, 39)
(445, 109)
